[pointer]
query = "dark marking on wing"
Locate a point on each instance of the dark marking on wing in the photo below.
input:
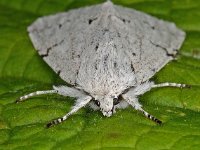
(132, 68)
(153, 70)
(97, 46)
(59, 26)
(50, 48)
(163, 48)
(95, 66)
(105, 30)
(115, 64)
(152, 27)
(59, 71)
(47, 54)
(124, 20)
(91, 20)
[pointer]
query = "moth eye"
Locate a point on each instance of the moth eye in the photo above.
(97, 103)
(115, 101)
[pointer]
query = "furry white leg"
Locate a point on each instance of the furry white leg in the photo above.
(131, 95)
(131, 98)
(147, 86)
(81, 102)
(61, 90)
(133, 101)
(151, 117)
(22, 98)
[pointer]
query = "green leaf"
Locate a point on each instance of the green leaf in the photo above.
(22, 126)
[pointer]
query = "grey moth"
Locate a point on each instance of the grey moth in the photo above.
(108, 53)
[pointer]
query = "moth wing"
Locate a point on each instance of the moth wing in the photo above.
(149, 42)
(60, 39)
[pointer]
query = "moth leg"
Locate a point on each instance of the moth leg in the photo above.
(81, 102)
(170, 85)
(147, 86)
(151, 117)
(23, 98)
(61, 90)
(133, 101)
(131, 98)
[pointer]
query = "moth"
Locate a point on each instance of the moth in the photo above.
(108, 53)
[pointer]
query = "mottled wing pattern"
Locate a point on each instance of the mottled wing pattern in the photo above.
(60, 39)
(80, 43)
(151, 43)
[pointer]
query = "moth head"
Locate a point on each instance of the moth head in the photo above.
(106, 104)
